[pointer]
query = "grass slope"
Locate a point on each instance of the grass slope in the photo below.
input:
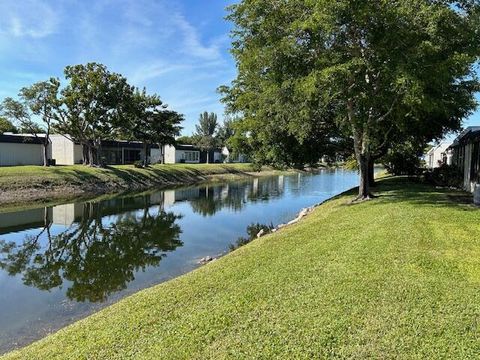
(20, 184)
(23, 176)
(396, 277)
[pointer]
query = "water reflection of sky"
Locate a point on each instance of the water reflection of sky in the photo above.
(138, 241)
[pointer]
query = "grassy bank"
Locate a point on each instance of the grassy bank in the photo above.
(36, 183)
(396, 277)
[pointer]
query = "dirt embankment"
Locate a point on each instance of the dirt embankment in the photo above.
(24, 189)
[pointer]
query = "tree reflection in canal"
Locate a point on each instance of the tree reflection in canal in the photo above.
(234, 196)
(96, 259)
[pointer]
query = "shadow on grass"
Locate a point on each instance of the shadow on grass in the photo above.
(415, 191)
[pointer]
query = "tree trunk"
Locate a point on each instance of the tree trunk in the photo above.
(144, 155)
(371, 173)
(208, 157)
(85, 154)
(364, 186)
(45, 154)
(98, 153)
(91, 156)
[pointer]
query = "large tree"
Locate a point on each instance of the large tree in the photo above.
(40, 101)
(95, 103)
(150, 122)
(372, 71)
(205, 134)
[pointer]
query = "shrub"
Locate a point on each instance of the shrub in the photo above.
(446, 175)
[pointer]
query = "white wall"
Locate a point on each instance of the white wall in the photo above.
(435, 156)
(65, 152)
(169, 151)
(174, 156)
(467, 183)
(12, 154)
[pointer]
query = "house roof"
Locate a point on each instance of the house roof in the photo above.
(21, 139)
(191, 147)
(125, 144)
(469, 133)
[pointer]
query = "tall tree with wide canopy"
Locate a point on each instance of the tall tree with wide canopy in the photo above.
(95, 103)
(372, 71)
(205, 134)
(150, 121)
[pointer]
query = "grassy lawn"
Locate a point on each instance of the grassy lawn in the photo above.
(25, 176)
(396, 277)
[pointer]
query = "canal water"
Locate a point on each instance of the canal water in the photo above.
(62, 263)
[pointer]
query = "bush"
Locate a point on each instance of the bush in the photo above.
(446, 175)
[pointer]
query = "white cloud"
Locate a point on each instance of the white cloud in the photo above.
(27, 18)
(191, 41)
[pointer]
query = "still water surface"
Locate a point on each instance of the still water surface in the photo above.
(61, 263)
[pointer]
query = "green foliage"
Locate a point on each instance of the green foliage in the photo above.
(186, 140)
(7, 126)
(226, 131)
(206, 131)
(374, 72)
(404, 159)
(94, 106)
(148, 120)
(38, 100)
(446, 175)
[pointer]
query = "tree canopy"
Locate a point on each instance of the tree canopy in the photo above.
(93, 105)
(206, 131)
(366, 73)
(7, 126)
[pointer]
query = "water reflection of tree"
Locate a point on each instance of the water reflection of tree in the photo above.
(212, 199)
(97, 259)
(234, 196)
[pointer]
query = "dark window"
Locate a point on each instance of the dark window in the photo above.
(131, 155)
(112, 156)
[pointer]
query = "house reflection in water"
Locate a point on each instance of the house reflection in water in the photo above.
(206, 200)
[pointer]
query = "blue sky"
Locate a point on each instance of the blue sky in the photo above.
(178, 49)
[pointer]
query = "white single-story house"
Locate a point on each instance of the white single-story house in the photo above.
(114, 152)
(438, 155)
(466, 156)
(21, 149)
(189, 154)
(27, 149)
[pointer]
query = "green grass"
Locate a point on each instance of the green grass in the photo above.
(395, 277)
(24, 176)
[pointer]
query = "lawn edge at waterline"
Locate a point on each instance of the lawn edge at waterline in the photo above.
(33, 186)
(331, 261)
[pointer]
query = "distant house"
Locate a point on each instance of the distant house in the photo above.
(466, 156)
(114, 152)
(21, 149)
(189, 154)
(438, 155)
(24, 149)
